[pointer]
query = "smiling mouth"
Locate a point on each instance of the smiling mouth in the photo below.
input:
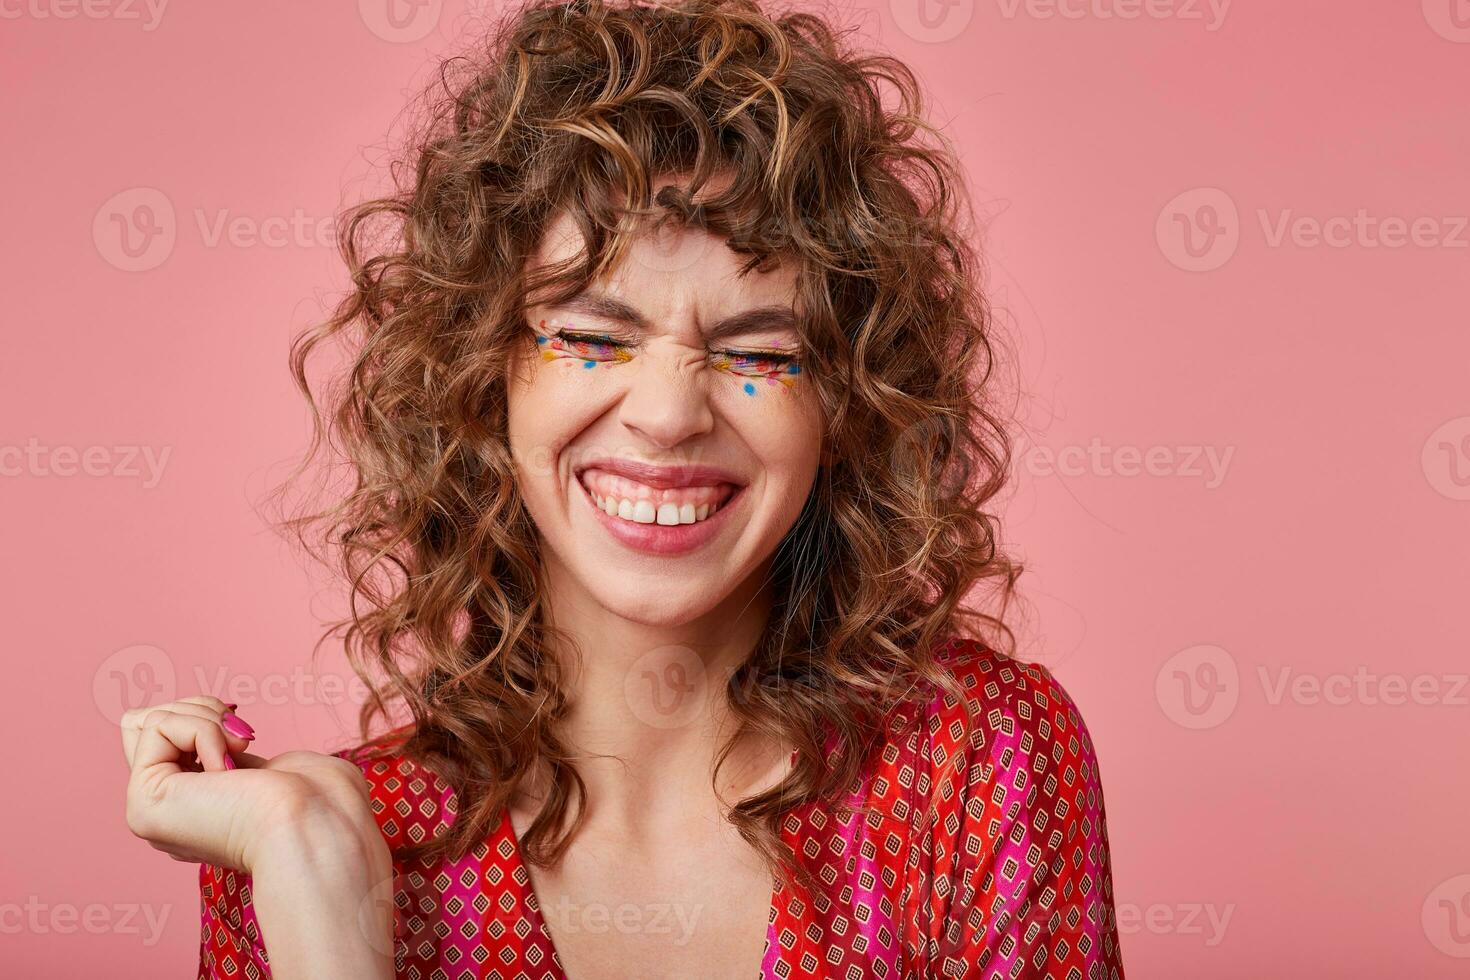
(637, 503)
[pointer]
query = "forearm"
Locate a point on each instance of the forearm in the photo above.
(324, 901)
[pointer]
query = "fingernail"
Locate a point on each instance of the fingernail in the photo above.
(236, 726)
(229, 763)
(232, 706)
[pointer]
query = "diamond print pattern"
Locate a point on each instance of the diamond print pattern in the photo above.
(980, 851)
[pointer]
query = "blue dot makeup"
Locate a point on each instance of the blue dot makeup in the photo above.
(778, 370)
(589, 350)
(763, 369)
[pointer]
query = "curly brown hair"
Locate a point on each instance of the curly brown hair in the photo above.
(825, 161)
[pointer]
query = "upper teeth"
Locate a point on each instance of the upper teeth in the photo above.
(643, 512)
(632, 501)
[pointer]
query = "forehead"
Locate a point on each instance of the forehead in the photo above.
(685, 260)
(676, 266)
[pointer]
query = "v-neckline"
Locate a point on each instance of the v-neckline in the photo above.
(538, 922)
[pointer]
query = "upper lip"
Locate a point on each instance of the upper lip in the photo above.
(662, 477)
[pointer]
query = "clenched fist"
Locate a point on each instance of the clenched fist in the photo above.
(299, 824)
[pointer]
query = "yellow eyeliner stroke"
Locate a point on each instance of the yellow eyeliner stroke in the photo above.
(554, 347)
(780, 373)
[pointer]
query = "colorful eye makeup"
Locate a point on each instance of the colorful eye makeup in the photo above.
(763, 368)
(773, 369)
(590, 349)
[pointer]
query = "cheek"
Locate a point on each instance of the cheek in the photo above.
(547, 376)
(534, 428)
(781, 425)
(549, 403)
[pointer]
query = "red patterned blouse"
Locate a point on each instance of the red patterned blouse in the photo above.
(984, 854)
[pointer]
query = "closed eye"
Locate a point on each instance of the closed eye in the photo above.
(588, 338)
(737, 358)
(774, 366)
(756, 358)
(769, 364)
(590, 345)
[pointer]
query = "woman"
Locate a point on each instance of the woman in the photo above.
(670, 428)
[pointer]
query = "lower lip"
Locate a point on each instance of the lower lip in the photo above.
(662, 539)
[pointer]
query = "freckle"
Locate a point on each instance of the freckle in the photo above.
(749, 388)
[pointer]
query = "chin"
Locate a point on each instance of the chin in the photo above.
(658, 605)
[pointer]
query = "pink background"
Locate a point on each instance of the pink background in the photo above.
(1256, 830)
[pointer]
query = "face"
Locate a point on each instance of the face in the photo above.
(664, 434)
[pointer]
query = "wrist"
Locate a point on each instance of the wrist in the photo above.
(319, 840)
(323, 896)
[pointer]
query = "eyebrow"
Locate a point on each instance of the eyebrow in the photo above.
(747, 321)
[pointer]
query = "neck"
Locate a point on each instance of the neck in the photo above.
(648, 705)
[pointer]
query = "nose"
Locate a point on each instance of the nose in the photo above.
(667, 399)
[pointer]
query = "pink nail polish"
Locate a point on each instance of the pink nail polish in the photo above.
(237, 727)
(229, 763)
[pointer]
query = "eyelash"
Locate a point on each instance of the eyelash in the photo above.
(778, 358)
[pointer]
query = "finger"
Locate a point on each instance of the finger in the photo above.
(208, 701)
(175, 811)
(167, 736)
(133, 721)
(131, 725)
(237, 732)
(134, 717)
